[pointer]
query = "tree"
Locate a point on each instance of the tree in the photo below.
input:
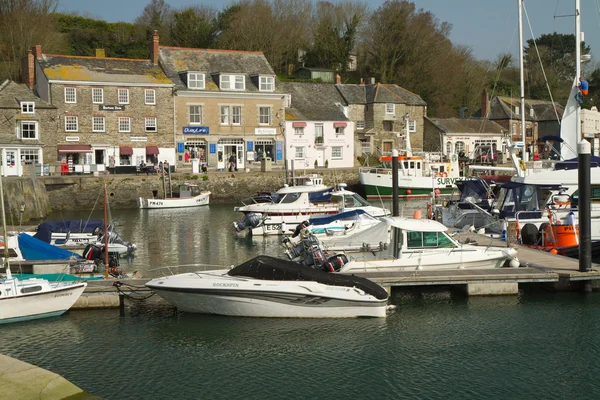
(193, 27)
(157, 15)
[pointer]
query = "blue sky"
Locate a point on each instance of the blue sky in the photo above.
(489, 27)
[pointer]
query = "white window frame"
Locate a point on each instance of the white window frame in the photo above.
(266, 83)
(72, 119)
(122, 127)
(232, 82)
(300, 155)
(200, 114)
(98, 124)
(150, 97)
(412, 125)
(298, 130)
(70, 95)
(336, 148)
(287, 101)
(95, 97)
(150, 123)
(236, 115)
(390, 108)
(123, 96)
(224, 115)
(27, 107)
(261, 115)
(195, 80)
(360, 124)
(35, 130)
(340, 130)
(30, 155)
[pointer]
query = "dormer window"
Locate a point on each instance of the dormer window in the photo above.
(27, 107)
(267, 84)
(195, 80)
(233, 82)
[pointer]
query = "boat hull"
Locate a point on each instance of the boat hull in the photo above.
(196, 201)
(40, 305)
(379, 185)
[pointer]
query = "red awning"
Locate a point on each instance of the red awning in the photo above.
(298, 124)
(152, 150)
(126, 150)
(74, 148)
(340, 124)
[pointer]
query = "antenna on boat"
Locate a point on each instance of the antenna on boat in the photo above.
(522, 78)
(5, 232)
(105, 233)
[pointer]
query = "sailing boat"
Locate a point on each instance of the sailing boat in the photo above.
(22, 300)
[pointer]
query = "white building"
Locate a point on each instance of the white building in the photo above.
(590, 128)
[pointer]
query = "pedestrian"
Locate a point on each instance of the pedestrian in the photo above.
(232, 163)
(583, 90)
(186, 156)
(160, 168)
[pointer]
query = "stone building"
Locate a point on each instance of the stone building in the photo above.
(381, 114)
(112, 112)
(226, 102)
(26, 122)
(318, 133)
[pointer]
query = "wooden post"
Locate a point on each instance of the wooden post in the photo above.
(395, 206)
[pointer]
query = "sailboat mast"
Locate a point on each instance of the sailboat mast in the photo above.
(4, 230)
(577, 65)
(522, 74)
(106, 233)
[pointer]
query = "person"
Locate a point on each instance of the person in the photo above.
(232, 165)
(204, 168)
(160, 168)
(583, 90)
(186, 156)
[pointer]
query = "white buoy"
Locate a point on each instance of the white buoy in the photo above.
(514, 263)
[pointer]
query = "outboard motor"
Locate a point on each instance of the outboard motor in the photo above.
(93, 252)
(251, 220)
(113, 237)
(335, 263)
(306, 252)
(300, 227)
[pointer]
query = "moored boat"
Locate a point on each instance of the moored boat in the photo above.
(188, 195)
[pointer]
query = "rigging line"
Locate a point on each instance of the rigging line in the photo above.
(541, 66)
(597, 4)
(94, 207)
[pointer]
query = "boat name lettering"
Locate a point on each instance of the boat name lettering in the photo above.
(155, 203)
(273, 227)
(217, 284)
(341, 289)
(63, 294)
(446, 181)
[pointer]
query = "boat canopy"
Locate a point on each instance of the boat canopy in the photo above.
(45, 229)
(573, 163)
(346, 215)
(276, 269)
(35, 249)
(415, 225)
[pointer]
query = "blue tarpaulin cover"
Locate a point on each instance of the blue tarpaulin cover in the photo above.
(573, 163)
(45, 229)
(331, 218)
(35, 249)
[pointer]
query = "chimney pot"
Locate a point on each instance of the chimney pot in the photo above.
(154, 45)
(338, 79)
(37, 50)
(28, 69)
(372, 80)
(485, 104)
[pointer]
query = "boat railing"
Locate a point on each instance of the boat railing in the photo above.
(375, 170)
(177, 269)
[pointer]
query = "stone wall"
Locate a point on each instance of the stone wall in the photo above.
(28, 192)
(81, 193)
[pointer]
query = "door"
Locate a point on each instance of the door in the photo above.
(221, 156)
(320, 157)
(240, 156)
(11, 167)
(99, 157)
(386, 147)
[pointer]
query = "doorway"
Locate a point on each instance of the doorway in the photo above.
(99, 156)
(9, 163)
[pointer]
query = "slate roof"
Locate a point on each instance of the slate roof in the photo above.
(101, 69)
(466, 125)
(314, 102)
(500, 108)
(12, 94)
(176, 61)
(379, 93)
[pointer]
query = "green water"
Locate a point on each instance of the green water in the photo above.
(437, 345)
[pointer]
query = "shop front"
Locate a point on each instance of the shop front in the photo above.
(195, 148)
(227, 147)
(260, 149)
(74, 158)
(13, 160)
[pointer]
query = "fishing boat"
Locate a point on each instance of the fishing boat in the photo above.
(26, 299)
(269, 287)
(188, 195)
(291, 205)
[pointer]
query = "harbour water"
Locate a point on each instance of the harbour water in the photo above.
(437, 344)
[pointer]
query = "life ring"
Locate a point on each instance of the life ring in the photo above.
(442, 174)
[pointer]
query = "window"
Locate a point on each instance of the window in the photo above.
(529, 132)
(28, 130)
(318, 133)
(428, 239)
(30, 156)
(513, 128)
(71, 124)
(195, 114)
(28, 107)
(124, 124)
(267, 84)
(224, 115)
(299, 130)
(264, 115)
(123, 95)
(336, 152)
(236, 115)
(339, 130)
(360, 124)
(98, 124)
(448, 148)
(287, 102)
(150, 96)
(459, 147)
(97, 95)
(390, 108)
(299, 154)
(195, 80)
(70, 95)
(151, 124)
(233, 82)
(388, 126)
(412, 125)
(365, 145)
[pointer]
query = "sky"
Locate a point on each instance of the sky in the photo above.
(488, 27)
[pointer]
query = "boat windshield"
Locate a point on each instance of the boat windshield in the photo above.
(354, 200)
(195, 190)
(289, 198)
(419, 240)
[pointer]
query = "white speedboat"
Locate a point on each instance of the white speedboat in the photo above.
(291, 205)
(269, 287)
(69, 233)
(189, 195)
(421, 244)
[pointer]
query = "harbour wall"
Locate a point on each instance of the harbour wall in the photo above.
(86, 192)
(25, 199)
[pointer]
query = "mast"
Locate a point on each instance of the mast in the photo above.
(4, 231)
(105, 233)
(522, 74)
(577, 66)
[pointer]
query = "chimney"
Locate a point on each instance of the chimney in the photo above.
(485, 104)
(372, 80)
(37, 51)
(100, 53)
(338, 79)
(28, 69)
(154, 48)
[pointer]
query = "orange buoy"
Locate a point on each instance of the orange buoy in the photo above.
(417, 214)
(408, 191)
(553, 251)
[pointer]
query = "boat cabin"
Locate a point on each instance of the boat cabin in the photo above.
(418, 167)
(187, 190)
(417, 235)
(517, 197)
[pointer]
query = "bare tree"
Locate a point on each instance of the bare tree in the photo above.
(157, 15)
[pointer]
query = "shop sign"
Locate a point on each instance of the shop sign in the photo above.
(72, 139)
(265, 131)
(180, 147)
(195, 130)
(104, 107)
(139, 139)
